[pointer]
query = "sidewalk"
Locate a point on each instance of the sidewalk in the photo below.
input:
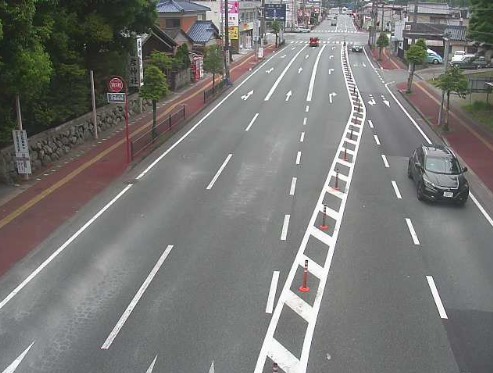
(471, 141)
(33, 210)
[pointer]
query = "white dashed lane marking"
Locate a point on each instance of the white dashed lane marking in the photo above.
(412, 231)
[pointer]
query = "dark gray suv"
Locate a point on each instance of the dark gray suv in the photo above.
(438, 174)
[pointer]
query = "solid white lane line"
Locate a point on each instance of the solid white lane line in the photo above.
(12, 367)
(61, 248)
(376, 139)
(314, 74)
(396, 190)
(151, 367)
(285, 226)
(251, 122)
(211, 368)
(436, 297)
(412, 231)
(218, 173)
(272, 292)
(293, 186)
(304, 121)
(302, 136)
(136, 299)
(278, 80)
(385, 162)
(370, 123)
(307, 109)
(298, 158)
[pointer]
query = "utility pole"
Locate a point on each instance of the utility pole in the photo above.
(383, 12)
(415, 20)
(226, 44)
(262, 24)
(445, 62)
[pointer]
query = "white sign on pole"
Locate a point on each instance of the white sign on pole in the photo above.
(136, 68)
(21, 146)
(115, 98)
(260, 52)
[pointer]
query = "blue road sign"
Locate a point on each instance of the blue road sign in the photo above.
(275, 12)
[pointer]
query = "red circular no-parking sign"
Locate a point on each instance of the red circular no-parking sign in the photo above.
(115, 85)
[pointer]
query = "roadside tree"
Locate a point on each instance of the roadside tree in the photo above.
(480, 25)
(415, 55)
(382, 42)
(155, 88)
(213, 62)
(276, 28)
(452, 81)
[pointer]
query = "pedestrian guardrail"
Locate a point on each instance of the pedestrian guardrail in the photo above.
(214, 91)
(153, 136)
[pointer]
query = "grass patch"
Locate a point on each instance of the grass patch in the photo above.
(482, 112)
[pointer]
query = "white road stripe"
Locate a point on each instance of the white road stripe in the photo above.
(304, 121)
(412, 231)
(218, 173)
(61, 248)
(298, 158)
(278, 80)
(376, 139)
(272, 292)
(396, 190)
(285, 226)
(293, 186)
(314, 75)
(211, 369)
(299, 306)
(286, 360)
(251, 122)
(307, 109)
(136, 299)
(12, 367)
(302, 136)
(151, 367)
(385, 162)
(436, 297)
(370, 123)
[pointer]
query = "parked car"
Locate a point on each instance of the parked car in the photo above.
(433, 57)
(438, 174)
(301, 29)
(314, 42)
(471, 62)
(357, 48)
(459, 55)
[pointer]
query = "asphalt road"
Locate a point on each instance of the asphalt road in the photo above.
(194, 262)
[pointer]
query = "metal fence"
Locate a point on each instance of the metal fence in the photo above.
(153, 136)
(217, 89)
(479, 85)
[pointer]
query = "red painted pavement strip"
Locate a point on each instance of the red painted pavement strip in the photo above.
(56, 208)
(388, 62)
(469, 146)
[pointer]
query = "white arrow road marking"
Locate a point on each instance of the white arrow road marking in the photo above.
(331, 95)
(331, 56)
(306, 57)
(12, 367)
(330, 71)
(278, 80)
(288, 95)
(293, 48)
(300, 70)
(272, 292)
(151, 367)
(269, 71)
(136, 299)
(211, 369)
(386, 102)
(333, 48)
(364, 65)
(283, 56)
(372, 102)
(314, 74)
(245, 97)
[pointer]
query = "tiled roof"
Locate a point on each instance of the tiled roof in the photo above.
(203, 31)
(177, 6)
(430, 8)
(435, 31)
